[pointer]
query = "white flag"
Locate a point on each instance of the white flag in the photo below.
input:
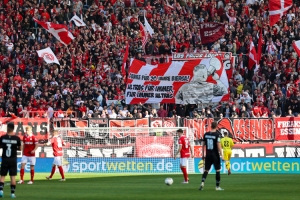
(48, 55)
(77, 21)
(148, 27)
(296, 46)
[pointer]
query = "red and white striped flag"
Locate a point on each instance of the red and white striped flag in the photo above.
(59, 31)
(190, 82)
(252, 56)
(144, 35)
(278, 8)
(296, 46)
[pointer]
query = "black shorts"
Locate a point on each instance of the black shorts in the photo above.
(212, 159)
(9, 165)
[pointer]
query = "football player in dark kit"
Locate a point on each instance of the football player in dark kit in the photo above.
(10, 144)
(212, 151)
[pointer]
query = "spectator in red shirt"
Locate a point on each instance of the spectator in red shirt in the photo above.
(162, 112)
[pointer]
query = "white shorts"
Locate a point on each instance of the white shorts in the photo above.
(28, 159)
(57, 161)
(183, 162)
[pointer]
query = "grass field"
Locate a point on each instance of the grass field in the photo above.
(152, 187)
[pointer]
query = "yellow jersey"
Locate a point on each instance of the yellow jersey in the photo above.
(227, 143)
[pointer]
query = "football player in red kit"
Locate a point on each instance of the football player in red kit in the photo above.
(185, 150)
(57, 144)
(29, 145)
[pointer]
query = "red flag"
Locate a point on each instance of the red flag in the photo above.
(144, 35)
(296, 46)
(59, 31)
(124, 60)
(252, 56)
(211, 31)
(278, 8)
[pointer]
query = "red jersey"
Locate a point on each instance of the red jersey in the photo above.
(185, 149)
(57, 144)
(29, 145)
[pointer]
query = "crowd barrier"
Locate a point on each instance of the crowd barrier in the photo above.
(241, 129)
(124, 152)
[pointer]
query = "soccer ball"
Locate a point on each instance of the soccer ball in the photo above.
(169, 181)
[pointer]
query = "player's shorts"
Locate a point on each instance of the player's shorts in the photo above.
(9, 165)
(212, 159)
(183, 162)
(57, 161)
(28, 159)
(227, 155)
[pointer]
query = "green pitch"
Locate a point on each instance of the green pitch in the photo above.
(152, 187)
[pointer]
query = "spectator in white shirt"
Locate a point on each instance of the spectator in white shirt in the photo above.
(290, 16)
(113, 115)
(50, 111)
(238, 77)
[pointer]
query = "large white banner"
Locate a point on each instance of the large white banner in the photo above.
(191, 82)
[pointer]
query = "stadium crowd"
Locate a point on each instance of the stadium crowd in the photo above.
(89, 73)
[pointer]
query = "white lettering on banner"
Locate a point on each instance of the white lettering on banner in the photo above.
(100, 152)
(130, 166)
(287, 124)
(290, 131)
(248, 153)
(184, 78)
(178, 55)
(259, 152)
(212, 32)
(181, 56)
(151, 91)
(278, 152)
(209, 25)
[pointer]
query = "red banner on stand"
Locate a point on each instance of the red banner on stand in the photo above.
(40, 126)
(287, 128)
(239, 129)
(122, 128)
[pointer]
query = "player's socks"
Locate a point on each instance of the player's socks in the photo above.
(229, 172)
(61, 171)
(181, 168)
(31, 174)
(1, 187)
(185, 174)
(22, 174)
(204, 176)
(52, 171)
(227, 165)
(12, 189)
(218, 178)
